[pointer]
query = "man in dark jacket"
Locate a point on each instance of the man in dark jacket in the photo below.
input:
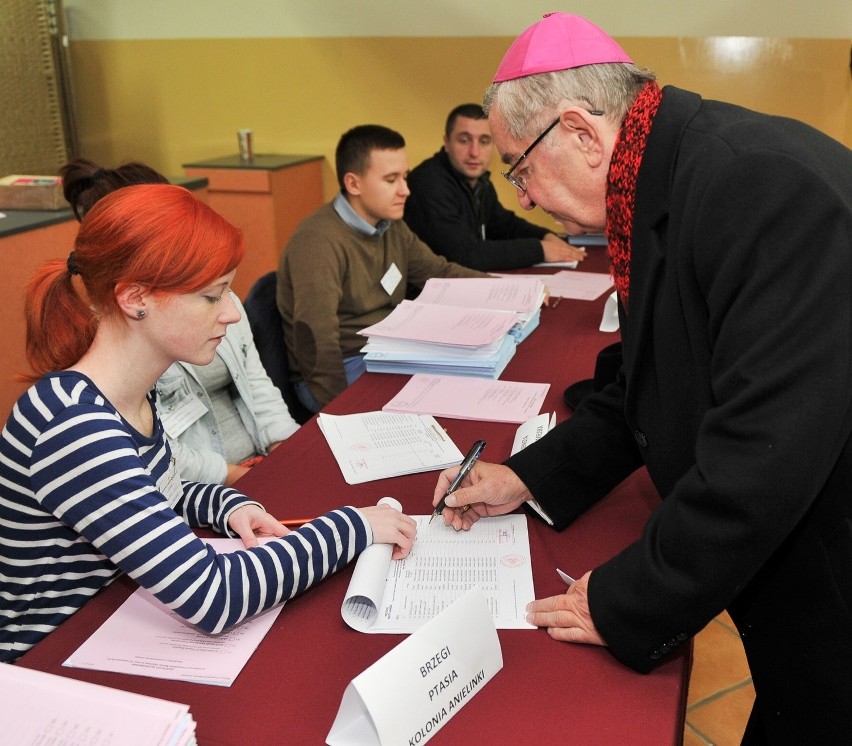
(453, 206)
(730, 237)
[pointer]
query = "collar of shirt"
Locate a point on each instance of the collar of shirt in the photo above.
(354, 220)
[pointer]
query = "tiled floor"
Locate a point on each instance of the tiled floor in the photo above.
(720, 689)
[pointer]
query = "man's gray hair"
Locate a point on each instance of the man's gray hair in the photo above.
(524, 103)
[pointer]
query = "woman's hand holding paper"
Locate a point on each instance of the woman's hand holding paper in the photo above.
(391, 527)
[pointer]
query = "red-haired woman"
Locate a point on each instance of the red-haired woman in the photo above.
(219, 418)
(87, 484)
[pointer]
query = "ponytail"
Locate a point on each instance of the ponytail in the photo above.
(156, 235)
(60, 324)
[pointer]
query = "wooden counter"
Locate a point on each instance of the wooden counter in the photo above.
(266, 198)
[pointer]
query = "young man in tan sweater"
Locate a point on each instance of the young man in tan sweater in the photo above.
(349, 263)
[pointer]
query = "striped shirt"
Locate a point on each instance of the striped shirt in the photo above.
(84, 497)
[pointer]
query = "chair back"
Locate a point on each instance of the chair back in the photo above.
(265, 321)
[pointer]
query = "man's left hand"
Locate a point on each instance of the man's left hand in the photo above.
(567, 616)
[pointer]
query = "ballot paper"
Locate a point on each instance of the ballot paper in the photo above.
(443, 324)
(579, 285)
(146, 638)
(469, 398)
(520, 293)
(393, 596)
(43, 708)
(377, 445)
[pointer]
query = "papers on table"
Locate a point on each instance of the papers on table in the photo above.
(579, 285)
(413, 321)
(393, 356)
(469, 398)
(400, 596)
(377, 445)
(460, 326)
(567, 265)
(42, 708)
(146, 638)
(523, 294)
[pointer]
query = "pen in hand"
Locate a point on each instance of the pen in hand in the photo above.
(464, 469)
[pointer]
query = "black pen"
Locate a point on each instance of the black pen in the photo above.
(466, 466)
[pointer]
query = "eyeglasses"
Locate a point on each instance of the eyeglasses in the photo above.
(519, 181)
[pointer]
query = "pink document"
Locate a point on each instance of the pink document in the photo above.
(145, 638)
(449, 325)
(467, 398)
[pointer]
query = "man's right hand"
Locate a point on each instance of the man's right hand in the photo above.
(489, 489)
(557, 250)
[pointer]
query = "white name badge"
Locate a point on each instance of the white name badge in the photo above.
(410, 693)
(177, 418)
(391, 279)
(170, 485)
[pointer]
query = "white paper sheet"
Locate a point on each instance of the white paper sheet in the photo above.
(469, 398)
(145, 638)
(377, 445)
(402, 595)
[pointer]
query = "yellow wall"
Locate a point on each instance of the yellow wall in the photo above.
(170, 101)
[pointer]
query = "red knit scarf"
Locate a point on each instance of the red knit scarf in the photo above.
(621, 183)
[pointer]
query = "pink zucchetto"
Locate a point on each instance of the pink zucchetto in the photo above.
(559, 41)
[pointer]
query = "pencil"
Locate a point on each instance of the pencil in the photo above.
(295, 521)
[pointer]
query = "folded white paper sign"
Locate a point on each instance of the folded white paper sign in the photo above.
(410, 693)
(609, 320)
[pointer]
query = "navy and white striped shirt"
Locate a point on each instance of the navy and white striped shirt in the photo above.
(85, 497)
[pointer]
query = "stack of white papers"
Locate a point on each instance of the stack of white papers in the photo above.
(465, 326)
(42, 708)
(469, 398)
(377, 445)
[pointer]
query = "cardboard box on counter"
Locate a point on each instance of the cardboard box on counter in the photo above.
(24, 192)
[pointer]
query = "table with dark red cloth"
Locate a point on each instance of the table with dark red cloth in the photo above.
(547, 692)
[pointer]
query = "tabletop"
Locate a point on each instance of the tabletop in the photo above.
(546, 693)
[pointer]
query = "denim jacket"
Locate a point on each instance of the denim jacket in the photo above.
(187, 413)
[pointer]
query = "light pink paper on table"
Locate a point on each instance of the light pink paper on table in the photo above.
(145, 638)
(467, 398)
(578, 285)
(507, 293)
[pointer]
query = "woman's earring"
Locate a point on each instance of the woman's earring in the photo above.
(140, 314)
